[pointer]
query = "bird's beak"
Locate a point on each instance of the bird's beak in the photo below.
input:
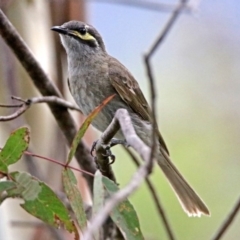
(60, 30)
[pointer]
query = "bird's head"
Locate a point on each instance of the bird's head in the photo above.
(79, 37)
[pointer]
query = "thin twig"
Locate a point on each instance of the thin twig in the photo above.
(149, 5)
(19, 99)
(156, 200)
(11, 105)
(166, 30)
(123, 119)
(14, 115)
(28, 103)
(53, 99)
(147, 58)
(56, 162)
(227, 221)
(59, 163)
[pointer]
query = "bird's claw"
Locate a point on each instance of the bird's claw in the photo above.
(109, 155)
(112, 143)
(93, 147)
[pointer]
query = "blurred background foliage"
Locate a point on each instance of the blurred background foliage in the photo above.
(197, 81)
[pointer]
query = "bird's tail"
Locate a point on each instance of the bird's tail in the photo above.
(190, 201)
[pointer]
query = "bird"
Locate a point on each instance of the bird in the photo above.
(94, 75)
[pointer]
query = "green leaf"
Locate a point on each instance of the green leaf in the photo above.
(42, 202)
(98, 197)
(98, 192)
(74, 197)
(124, 214)
(6, 185)
(27, 187)
(16, 144)
(85, 126)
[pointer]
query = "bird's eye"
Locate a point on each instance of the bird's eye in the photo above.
(83, 31)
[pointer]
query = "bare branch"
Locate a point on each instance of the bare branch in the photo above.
(16, 114)
(57, 162)
(147, 58)
(53, 99)
(10, 105)
(28, 103)
(166, 30)
(156, 200)
(123, 120)
(148, 5)
(228, 221)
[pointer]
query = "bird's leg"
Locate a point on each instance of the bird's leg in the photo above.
(107, 148)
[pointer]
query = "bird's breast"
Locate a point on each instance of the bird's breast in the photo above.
(89, 89)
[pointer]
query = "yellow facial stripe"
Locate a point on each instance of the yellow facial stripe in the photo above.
(86, 36)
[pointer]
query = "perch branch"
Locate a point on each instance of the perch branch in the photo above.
(123, 120)
(156, 200)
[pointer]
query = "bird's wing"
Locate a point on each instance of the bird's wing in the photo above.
(128, 89)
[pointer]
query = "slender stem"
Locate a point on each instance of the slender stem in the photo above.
(228, 221)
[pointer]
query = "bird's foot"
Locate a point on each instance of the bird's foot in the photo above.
(107, 148)
(109, 155)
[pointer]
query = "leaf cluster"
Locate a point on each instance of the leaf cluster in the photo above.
(43, 203)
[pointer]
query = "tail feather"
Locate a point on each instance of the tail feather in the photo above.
(190, 201)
